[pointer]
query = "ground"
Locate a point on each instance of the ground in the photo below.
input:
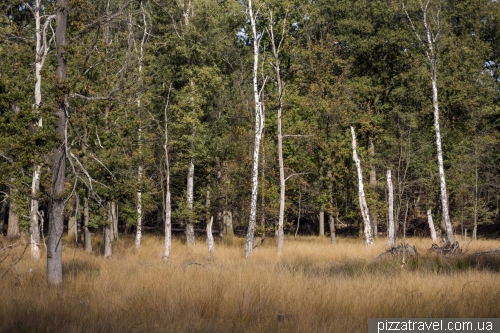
(312, 287)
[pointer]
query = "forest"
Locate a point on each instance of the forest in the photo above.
(259, 118)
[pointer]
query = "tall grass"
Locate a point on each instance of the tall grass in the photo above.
(312, 287)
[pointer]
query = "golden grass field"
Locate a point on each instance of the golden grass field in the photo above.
(312, 287)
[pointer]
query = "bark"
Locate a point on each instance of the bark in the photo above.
(87, 235)
(331, 222)
(56, 218)
(391, 229)
(298, 217)
(431, 226)
(365, 213)
(13, 220)
(228, 223)
(476, 197)
(322, 223)
(108, 233)
(114, 212)
(190, 197)
(72, 228)
(3, 215)
(373, 185)
(210, 238)
(259, 126)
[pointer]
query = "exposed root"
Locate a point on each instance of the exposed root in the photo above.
(448, 249)
(400, 250)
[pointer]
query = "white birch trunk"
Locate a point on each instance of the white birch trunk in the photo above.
(390, 231)
(34, 228)
(431, 42)
(114, 212)
(190, 198)
(168, 206)
(259, 125)
(281, 91)
(431, 226)
(138, 236)
(373, 184)
(210, 238)
(365, 213)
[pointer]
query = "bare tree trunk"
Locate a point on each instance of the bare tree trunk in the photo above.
(391, 229)
(431, 41)
(281, 90)
(56, 218)
(220, 219)
(476, 196)
(322, 223)
(168, 204)
(108, 233)
(259, 126)
(331, 219)
(373, 185)
(190, 200)
(298, 217)
(210, 238)
(362, 200)
(431, 226)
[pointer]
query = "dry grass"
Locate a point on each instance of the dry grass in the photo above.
(312, 287)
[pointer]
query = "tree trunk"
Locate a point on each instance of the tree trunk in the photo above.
(228, 222)
(431, 226)
(88, 235)
(259, 126)
(220, 220)
(13, 221)
(391, 229)
(331, 222)
(108, 233)
(114, 211)
(56, 218)
(168, 205)
(365, 213)
(322, 223)
(3, 215)
(210, 238)
(190, 200)
(72, 228)
(373, 185)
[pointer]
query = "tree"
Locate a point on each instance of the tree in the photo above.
(259, 127)
(56, 218)
(432, 31)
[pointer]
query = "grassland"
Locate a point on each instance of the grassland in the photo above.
(312, 287)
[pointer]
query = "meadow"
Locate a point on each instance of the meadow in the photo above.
(312, 287)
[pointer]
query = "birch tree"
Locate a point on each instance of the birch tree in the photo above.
(259, 127)
(429, 38)
(390, 231)
(363, 206)
(280, 86)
